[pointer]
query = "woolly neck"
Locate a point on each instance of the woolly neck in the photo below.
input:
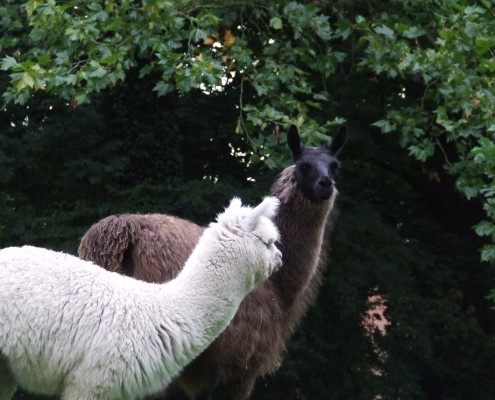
(302, 224)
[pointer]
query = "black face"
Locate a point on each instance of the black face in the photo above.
(316, 166)
(315, 170)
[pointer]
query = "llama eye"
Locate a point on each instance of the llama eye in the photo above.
(268, 243)
(304, 168)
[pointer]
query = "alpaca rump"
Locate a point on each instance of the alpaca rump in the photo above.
(252, 344)
(70, 328)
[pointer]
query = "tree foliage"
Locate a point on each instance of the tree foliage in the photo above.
(433, 63)
(75, 49)
(444, 63)
(129, 106)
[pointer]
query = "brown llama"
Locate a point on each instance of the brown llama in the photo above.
(154, 247)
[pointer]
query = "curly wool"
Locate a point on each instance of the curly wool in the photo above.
(69, 327)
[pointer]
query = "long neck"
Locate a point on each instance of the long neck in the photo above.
(197, 306)
(302, 225)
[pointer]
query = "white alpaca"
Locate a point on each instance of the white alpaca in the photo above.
(70, 328)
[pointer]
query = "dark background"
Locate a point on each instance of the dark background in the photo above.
(401, 230)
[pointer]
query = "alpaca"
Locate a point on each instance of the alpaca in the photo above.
(71, 328)
(153, 248)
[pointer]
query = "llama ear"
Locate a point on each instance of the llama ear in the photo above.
(235, 203)
(294, 142)
(339, 140)
(267, 208)
(234, 206)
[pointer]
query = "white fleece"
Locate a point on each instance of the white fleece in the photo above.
(71, 328)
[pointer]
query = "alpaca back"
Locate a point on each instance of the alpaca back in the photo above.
(67, 302)
(72, 328)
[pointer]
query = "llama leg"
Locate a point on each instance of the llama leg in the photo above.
(8, 385)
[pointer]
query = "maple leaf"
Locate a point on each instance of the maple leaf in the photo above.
(209, 41)
(229, 38)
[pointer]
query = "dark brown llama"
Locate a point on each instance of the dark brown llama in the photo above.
(154, 247)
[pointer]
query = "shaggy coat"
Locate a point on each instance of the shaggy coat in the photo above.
(70, 328)
(252, 344)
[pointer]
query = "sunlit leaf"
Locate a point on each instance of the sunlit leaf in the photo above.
(229, 38)
(276, 23)
(7, 63)
(385, 31)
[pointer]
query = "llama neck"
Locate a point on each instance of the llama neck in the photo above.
(196, 307)
(302, 225)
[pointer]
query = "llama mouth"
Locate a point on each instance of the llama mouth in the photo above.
(322, 194)
(317, 194)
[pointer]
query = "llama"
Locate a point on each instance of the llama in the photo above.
(71, 328)
(153, 248)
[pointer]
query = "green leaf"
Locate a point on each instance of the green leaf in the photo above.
(385, 31)
(163, 88)
(261, 89)
(7, 63)
(484, 228)
(25, 81)
(97, 73)
(313, 104)
(44, 59)
(360, 20)
(270, 163)
(199, 35)
(422, 152)
(276, 23)
(446, 34)
(414, 32)
(386, 126)
(483, 44)
(488, 253)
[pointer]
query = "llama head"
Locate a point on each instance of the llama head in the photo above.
(315, 167)
(252, 233)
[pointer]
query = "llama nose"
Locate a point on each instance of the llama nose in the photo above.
(325, 181)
